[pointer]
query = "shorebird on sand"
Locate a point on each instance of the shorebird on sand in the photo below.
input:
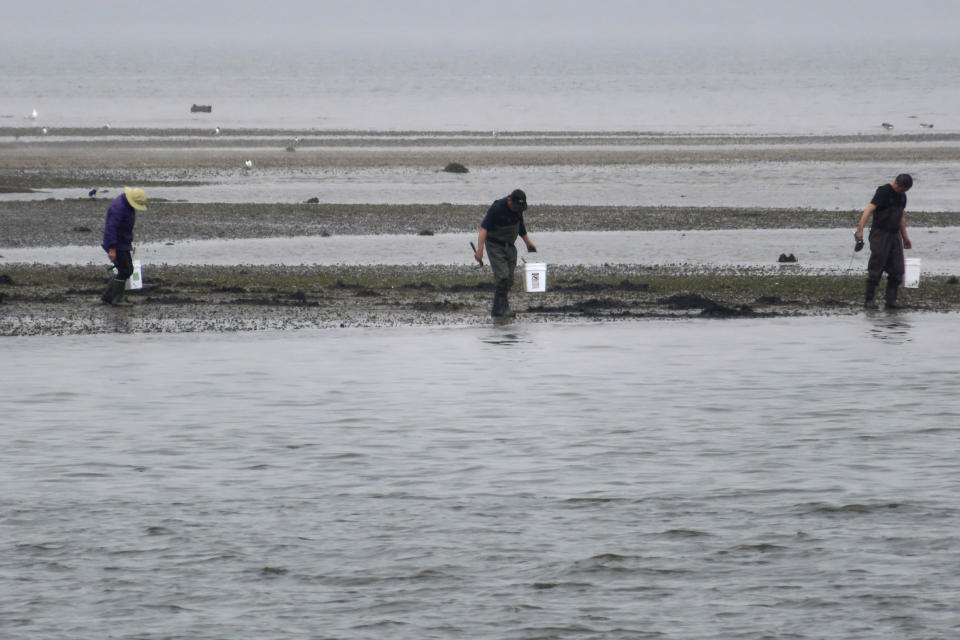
(886, 125)
(926, 125)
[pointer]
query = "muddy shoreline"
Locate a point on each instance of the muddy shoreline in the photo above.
(80, 221)
(85, 158)
(64, 300)
(40, 299)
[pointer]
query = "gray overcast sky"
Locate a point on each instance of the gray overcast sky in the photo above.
(872, 23)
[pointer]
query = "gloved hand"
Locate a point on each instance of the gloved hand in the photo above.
(859, 245)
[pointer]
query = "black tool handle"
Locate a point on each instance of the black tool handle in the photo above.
(472, 246)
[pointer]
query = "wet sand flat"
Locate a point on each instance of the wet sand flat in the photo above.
(808, 251)
(38, 298)
(59, 300)
(53, 223)
(66, 156)
(29, 159)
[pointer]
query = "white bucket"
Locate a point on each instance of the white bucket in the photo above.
(911, 277)
(535, 276)
(135, 281)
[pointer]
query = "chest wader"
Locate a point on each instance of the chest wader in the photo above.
(886, 254)
(502, 253)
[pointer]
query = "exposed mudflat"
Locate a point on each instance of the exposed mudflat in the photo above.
(59, 300)
(46, 299)
(80, 221)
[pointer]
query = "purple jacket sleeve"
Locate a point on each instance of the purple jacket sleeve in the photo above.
(118, 228)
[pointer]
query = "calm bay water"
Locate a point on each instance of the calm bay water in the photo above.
(814, 90)
(686, 479)
(681, 479)
(811, 89)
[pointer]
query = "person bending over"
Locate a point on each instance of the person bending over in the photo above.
(498, 234)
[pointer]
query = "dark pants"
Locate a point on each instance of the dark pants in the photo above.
(124, 264)
(886, 254)
(503, 260)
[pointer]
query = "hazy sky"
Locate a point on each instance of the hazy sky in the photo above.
(871, 23)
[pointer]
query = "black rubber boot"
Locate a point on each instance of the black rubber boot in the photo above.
(111, 291)
(890, 299)
(114, 294)
(497, 311)
(868, 302)
(501, 304)
(506, 306)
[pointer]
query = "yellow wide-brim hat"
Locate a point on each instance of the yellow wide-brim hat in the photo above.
(137, 198)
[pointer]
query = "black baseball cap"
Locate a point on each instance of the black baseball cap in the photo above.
(519, 198)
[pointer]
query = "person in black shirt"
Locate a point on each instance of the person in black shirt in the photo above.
(498, 234)
(888, 238)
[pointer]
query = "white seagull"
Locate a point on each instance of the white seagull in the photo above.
(216, 131)
(926, 125)
(33, 116)
(248, 164)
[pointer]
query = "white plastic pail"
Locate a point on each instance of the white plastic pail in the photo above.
(135, 281)
(535, 276)
(911, 277)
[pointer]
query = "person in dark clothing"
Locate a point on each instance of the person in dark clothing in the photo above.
(498, 234)
(118, 241)
(888, 238)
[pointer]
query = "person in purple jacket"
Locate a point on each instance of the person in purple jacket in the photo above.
(118, 241)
